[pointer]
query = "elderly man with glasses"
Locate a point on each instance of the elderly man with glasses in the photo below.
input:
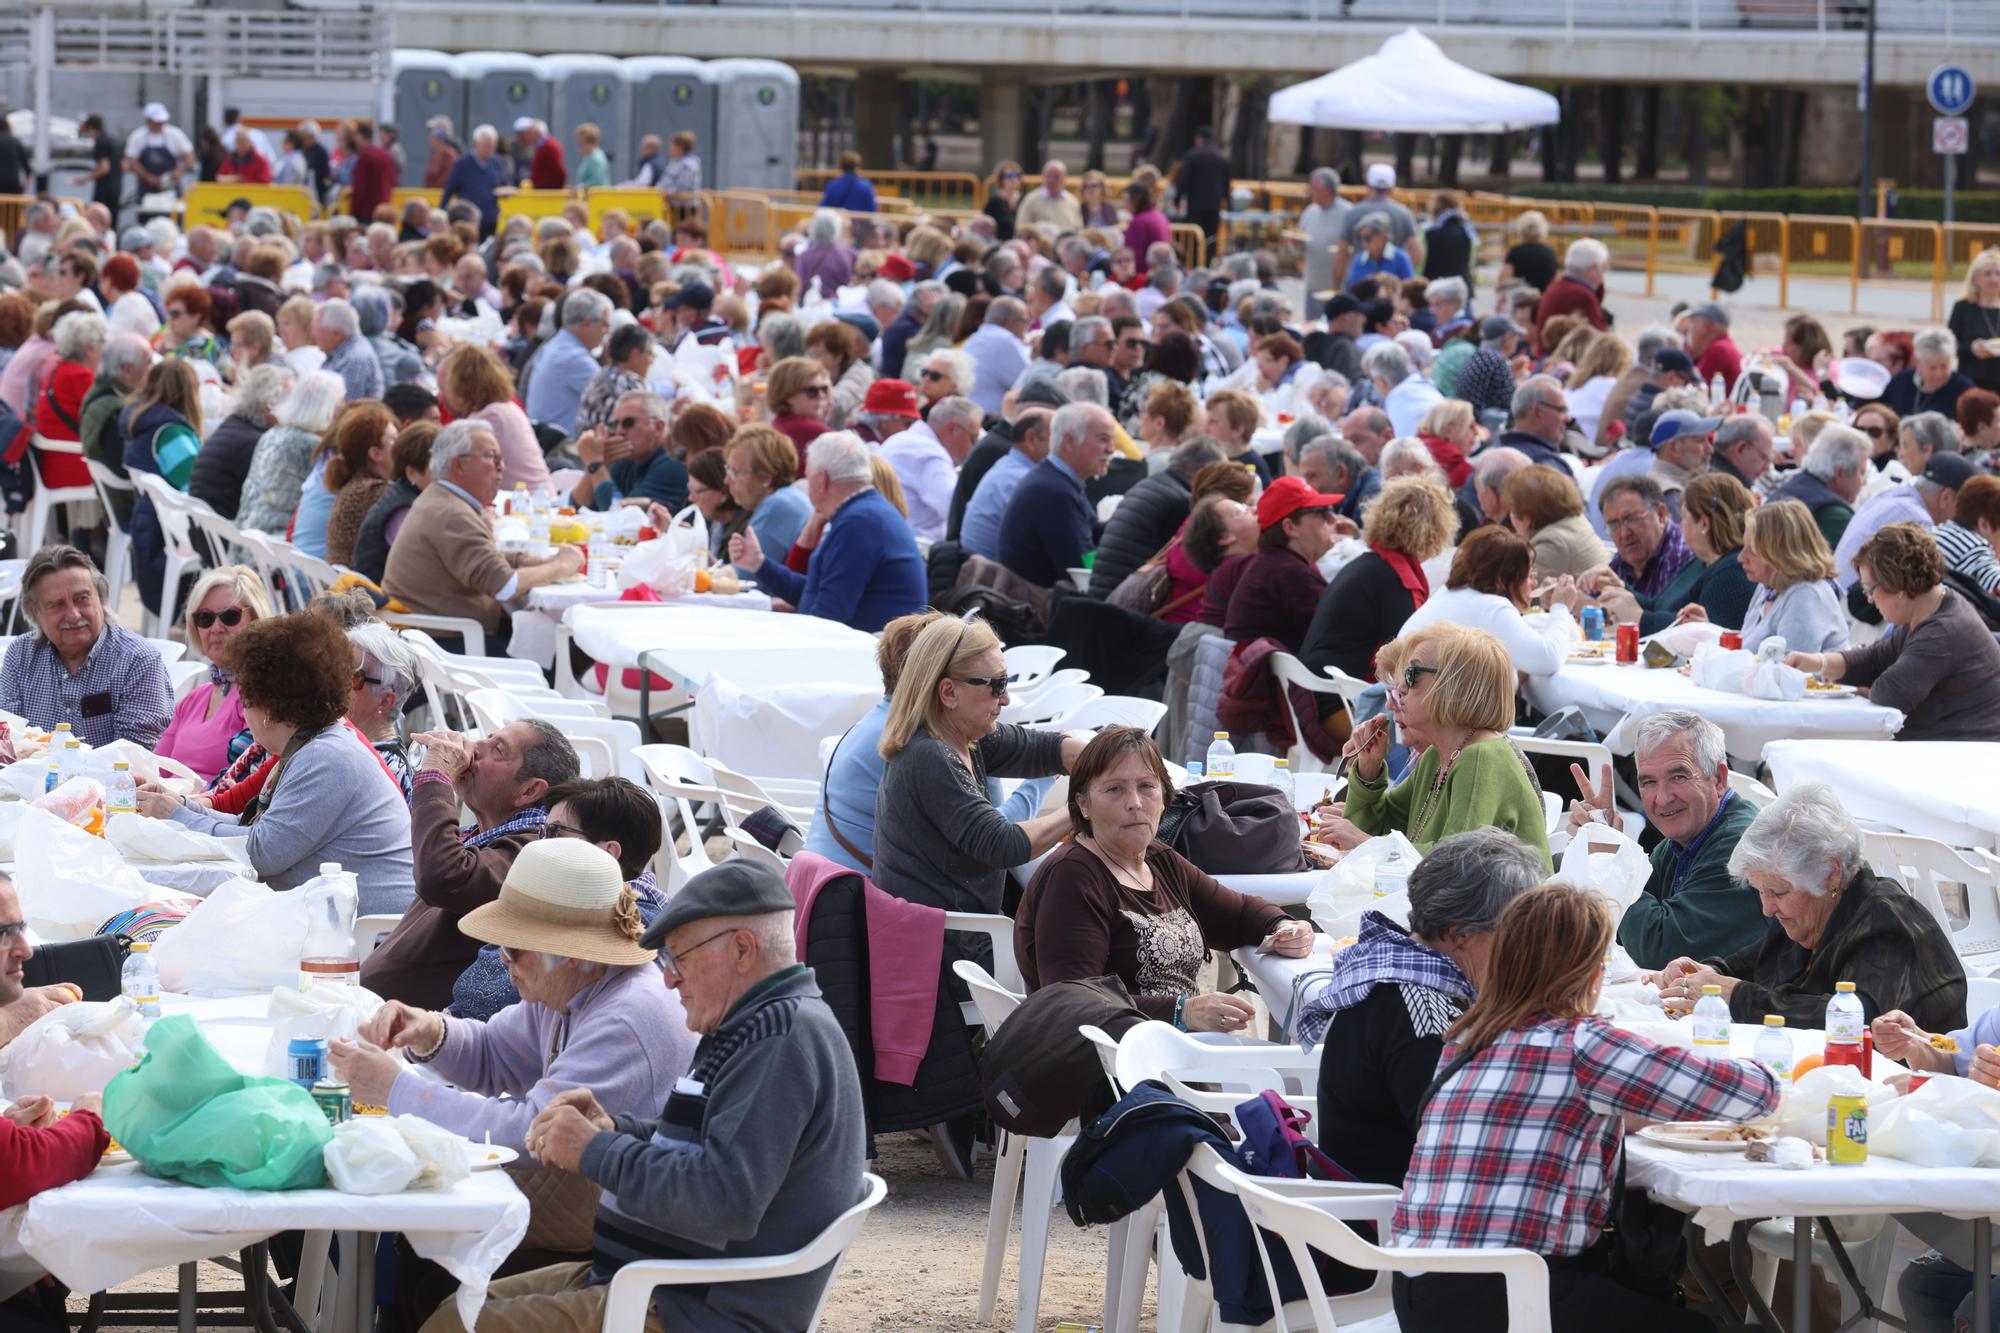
(1541, 419)
(1651, 549)
(627, 459)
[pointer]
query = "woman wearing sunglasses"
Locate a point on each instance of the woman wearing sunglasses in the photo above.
(207, 732)
(1453, 688)
(939, 837)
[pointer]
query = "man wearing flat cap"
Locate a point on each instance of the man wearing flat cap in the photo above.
(761, 1145)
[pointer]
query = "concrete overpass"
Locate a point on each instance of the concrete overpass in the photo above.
(1793, 43)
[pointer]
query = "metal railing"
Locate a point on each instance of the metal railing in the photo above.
(264, 44)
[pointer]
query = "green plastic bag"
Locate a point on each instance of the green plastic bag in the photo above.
(185, 1113)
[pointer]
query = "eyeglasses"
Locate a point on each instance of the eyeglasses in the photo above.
(817, 390)
(555, 828)
(1868, 589)
(1413, 674)
(486, 456)
(1132, 342)
(672, 961)
(232, 617)
(11, 932)
(627, 423)
(1631, 522)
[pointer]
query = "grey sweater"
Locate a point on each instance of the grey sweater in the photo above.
(333, 802)
(1944, 675)
(764, 1145)
(939, 839)
(1808, 616)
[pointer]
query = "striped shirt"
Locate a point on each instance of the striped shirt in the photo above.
(1966, 552)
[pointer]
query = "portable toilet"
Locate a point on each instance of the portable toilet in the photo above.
(756, 124)
(590, 89)
(503, 86)
(671, 94)
(428, 83)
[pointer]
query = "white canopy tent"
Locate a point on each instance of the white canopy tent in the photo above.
(1410, 86)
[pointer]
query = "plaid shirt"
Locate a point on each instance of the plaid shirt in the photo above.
(1517, 1149)
(682, 175)
(121, 693)
(1667, 561)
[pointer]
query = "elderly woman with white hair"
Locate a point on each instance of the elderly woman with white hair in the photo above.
(223, 464)
(592, 1014)
(284, 455)
(385, 676)
(825, 255)
(1932, 381)
(1833, 919)
(379, 309)
(946, 373)
(1579, 289)
(207, 732)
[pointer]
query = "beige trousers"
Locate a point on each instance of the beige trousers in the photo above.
(556, 1299)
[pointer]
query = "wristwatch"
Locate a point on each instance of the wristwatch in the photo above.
(593, 467)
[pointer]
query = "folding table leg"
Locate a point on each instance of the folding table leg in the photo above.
(1982, 1272)
(364, 1279)
(314, 1301)
(188, 1285)
(1802, 1274)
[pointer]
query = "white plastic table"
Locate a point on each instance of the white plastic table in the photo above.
(1933, 789)
(534, 634)
(1616, 698)
(754, 650)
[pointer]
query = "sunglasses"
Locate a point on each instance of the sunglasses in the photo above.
(232, 617)
(1874, 432)
(363, 678)
(627, 423)
(997, 684)
(1133, 342)
(817, 390)
(1414, 673)
(933, 374)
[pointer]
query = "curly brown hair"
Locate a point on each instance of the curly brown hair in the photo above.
(1904, 559)
(1231, 480)
(299, 669)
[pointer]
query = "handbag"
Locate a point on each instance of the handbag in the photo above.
(1234, 828)
(95, 966)
(1144, 591)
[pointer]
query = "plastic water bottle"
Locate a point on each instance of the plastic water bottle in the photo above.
(1281, 778)
(1774, 1048)
(72, 760)
(1392, 876)
(140, 980)
(1711, 1022)
(1194, 773)
(521, 504)
(329, 957)
(121, 796)
(1221, 757)
(1844, 1020)
(53, 778)
(1718, 391)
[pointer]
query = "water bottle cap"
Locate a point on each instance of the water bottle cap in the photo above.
(142, 946)
(1774, 1020)
(1711, 990)
(1222, 735)
(1280, 764)
(1844, 987)
(329, 867)
(121, 766)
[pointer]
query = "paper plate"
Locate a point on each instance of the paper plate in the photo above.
(1858, 377)
(486, 1156)
(1833, 692)
(1688, 1136)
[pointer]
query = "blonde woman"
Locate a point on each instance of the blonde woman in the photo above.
(1451, 433)
(1452, 688)
(1975, 322)
(1787, 558)
(939, 839)
(1532, 259)
(1606, 358)
(1410, 520)
(208, 732)
(474, 382)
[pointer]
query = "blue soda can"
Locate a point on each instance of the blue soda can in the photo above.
(305, 1061)
(1593, 623)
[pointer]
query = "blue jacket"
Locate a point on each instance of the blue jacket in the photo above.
(849, 190)
(476, 182)
(149, 543)
(663, 478)
(865, 571)
(1049, 524)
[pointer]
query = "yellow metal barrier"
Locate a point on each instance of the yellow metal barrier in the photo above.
(642, 205)
(948, 189)
(401, 197)
(534, 204)
(208, 203)
(1190, 245)
(1911, 252)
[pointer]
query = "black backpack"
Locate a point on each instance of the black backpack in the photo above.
(1014, 621)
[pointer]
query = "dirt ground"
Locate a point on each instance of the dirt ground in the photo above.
(916, 1266)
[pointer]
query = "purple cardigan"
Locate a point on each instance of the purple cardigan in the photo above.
(627, 1041)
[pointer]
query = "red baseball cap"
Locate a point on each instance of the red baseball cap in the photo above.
(892, 398)
(896, 269)
(1287, 496)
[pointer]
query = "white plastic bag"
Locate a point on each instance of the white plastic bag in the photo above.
(1719, 668)
(1348, 889)
(244, 939)
(443, 1158)
(329, 1012)
(1772, 679)
(10, 819)
(73, 800)
(369, 1156)
(71, 1051)
(1802, 1113)
(1946, 1122)
(139, 838)
(71, 883)
(1685, 640)
(1606, 859)
(665, 564)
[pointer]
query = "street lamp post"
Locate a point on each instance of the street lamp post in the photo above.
(1867, 203)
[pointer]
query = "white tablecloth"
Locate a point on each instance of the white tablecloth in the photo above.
(534, 635)
(1616, 698)
(119, 1222)
(1934, 789)
(691, 643)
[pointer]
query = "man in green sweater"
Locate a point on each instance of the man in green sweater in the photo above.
(1690, 907)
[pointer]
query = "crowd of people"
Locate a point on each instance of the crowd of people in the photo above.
(1045, 403)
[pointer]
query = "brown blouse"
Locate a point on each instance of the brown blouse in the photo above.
(1078, 920)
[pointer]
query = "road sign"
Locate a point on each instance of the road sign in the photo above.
(1949, 134)
(1951, 90)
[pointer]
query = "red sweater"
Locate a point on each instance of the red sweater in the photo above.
(1567, 296)
(249, 170)
(545, 169)
(374, 182)
(33, 1160)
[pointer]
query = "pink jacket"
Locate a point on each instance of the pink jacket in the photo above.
(905, 954)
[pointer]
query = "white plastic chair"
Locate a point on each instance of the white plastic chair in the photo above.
(118, 550)
(1925, 867)
(1290, 670)
(1052, 705)
(683, 780)
(35, 521)
(1054, 680)
(175, 512)
(1349, 689)
(1592, 757)
(1317, 1225)
(631, 1294)
(1116, 710)
(749, 849)
(182, 677)
(469, 630)
(170, 650)
(1029, 663)
(1240, 1070)
(371, 929)
(1981, 994)
(494, 709)
(1751, 790)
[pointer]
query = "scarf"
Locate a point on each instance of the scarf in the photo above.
(1409, 573)
(520, 822)
(220, 678)
(1382, 954)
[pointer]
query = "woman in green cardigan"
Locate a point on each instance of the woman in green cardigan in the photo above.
(1453, 689)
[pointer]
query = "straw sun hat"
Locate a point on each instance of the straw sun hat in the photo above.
(563, 896)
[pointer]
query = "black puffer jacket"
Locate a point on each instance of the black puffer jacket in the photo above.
(1144, 521)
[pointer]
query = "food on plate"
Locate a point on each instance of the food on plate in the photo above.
(1711, 1132)
(1819, 685)
(1344, 941)
(1321, 854)
(1805, 1064)
(1943, 1041)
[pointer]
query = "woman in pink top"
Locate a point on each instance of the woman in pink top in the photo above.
(208, 731)
(1149, 226)
(475, 383)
